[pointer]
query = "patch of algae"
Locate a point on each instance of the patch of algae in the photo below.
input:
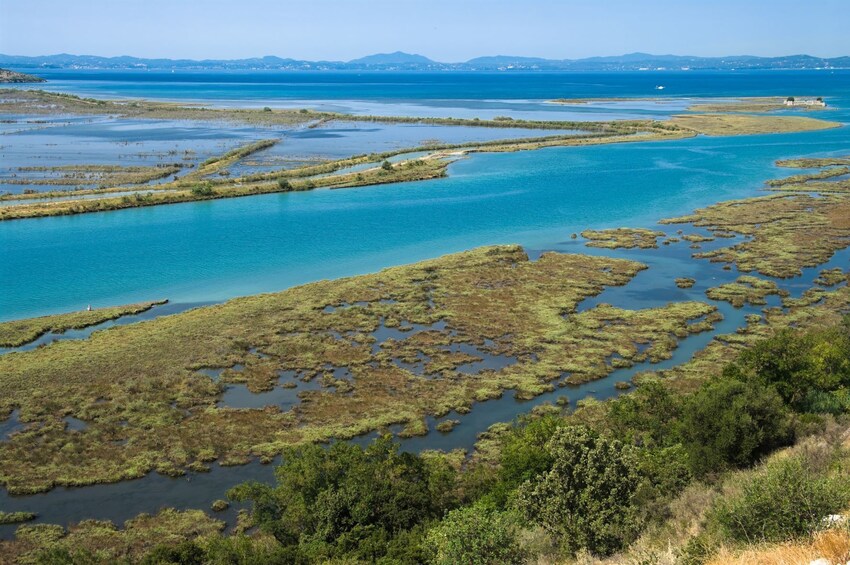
(148, 406)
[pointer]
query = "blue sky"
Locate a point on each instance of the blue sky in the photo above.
(445, 30)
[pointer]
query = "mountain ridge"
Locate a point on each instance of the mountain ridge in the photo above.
(400, 60)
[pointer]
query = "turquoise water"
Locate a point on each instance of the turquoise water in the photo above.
(215, 250)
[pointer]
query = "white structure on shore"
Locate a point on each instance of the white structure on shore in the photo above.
(791, 101)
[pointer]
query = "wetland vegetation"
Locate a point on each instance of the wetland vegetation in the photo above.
(361, 338)
(19, 332)
(384, 349)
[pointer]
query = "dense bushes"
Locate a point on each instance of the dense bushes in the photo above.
(732, 424)
(788, 498)
(475, 535)
(345, 500)
(588, 498)
(799, 366)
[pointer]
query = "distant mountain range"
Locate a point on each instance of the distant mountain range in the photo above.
(400, 61)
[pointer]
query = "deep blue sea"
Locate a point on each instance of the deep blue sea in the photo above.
(215, 250)
(432, 86)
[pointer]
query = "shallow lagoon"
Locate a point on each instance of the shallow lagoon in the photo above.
(105, 140)
(457, 94)
(215, 250)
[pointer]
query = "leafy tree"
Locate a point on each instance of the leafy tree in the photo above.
(589, 497)
(646, 417)
(475, 535)
(387, 166)
(524, 455)
(729, 423)
(343, 497)
(284, 184)
(798, 365)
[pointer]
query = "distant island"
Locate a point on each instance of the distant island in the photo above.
(400, 61)
(7, 76)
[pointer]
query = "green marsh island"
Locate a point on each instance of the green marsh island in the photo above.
(392, 310)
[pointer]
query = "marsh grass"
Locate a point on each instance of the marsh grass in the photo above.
(147, 407)
(786, 232)
(19, 332)
(627, 238)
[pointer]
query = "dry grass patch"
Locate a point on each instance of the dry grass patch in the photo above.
(733, 124)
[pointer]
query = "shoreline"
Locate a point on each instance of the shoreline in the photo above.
(183, 190)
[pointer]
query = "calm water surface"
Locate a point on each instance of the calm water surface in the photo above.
(216, 250)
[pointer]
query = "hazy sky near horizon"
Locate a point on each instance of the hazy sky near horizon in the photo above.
(444, 30)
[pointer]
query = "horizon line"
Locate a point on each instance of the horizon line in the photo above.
(399, 52)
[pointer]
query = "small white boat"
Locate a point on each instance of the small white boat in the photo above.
(659, 87)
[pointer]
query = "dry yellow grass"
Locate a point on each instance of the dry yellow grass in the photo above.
(832, 545)
(729, 124)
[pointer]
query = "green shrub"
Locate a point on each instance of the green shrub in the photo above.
(646, 417)
(387, 166)
(783, 500)
(524, 455)
(475, 535)
(728, 423)
(798, 365)
(185, 553)
(243, 550)
(588, 498)
(332, 501)
(284, 184)
(202, 190)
